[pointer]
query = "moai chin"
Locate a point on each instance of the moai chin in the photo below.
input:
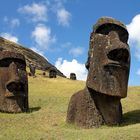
(13, 82)
(52, 73)
(108, 71)
(73, 76)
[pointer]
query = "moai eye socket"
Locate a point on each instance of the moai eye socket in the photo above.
(106, 28)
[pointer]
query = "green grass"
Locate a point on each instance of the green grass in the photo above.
(48, 101)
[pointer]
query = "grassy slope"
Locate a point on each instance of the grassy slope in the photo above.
(48, 106)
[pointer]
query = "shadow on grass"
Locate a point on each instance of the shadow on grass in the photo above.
(132, 117)
(33, 109)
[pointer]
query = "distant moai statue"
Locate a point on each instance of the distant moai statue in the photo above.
(52, 73)
(44, 73)
(1, 48)
(13, 82)
(73, 76)
(108, 71)
(32, 70)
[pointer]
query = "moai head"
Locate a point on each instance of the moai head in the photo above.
(109, 58)
(13, 82)
(73, 76)
(52, 73)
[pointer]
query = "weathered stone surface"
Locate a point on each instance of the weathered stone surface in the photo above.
(109, 55)
(52, 73)
(31, 57)
(32, 69)
(108, 71)
(73, 76)
(13, 82)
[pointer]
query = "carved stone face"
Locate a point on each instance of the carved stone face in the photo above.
(109, 58)
(13, 82)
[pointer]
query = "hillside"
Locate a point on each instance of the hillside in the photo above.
(48, 101)
(39, 61)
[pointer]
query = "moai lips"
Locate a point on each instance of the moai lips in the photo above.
(13, 82)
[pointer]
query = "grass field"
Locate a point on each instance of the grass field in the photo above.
(48, 101)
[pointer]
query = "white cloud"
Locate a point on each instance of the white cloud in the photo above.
(137, 52)
(68, 67)
(37, 11)
(134, 29)
(15, 22)
(5, 19)
(42, 36)
(66, 45)
(10, 37)
(134, 34)
(138, 72)
(63, 17)
(76, 51)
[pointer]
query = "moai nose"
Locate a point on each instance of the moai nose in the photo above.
(14, 84)
(119, 55)
(13, 72)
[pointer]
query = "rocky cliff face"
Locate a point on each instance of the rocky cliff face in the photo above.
(39, 61)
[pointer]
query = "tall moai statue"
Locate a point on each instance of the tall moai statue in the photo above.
(13, 82)
(108, 71)
(72, 76)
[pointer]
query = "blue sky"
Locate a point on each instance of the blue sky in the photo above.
(60, 29)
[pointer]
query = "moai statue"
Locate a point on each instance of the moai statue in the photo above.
(108, 71)
(32, 69)
(52, 73)
(13, 82)
(73, 76)
(44, 73)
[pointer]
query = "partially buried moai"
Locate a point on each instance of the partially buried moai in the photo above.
(32, 69)
(13, 82)
(52, 73)
(108, 71)
(72, 76)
